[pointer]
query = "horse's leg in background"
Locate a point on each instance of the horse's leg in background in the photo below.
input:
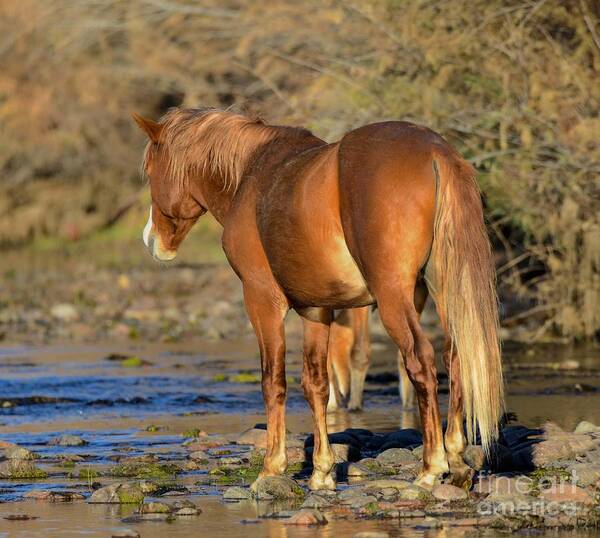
(401, 319)
(316, 323)
(360, 356)
(341, 340)
(267, 318)
(454, 439)
(405, 388)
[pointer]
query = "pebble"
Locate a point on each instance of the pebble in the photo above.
(412, 492)
(19, 453)
(397, 457)
(567, 493)
(118, 493)
(253, 436)
(155, 508)
(314, 500)
(68, 440)
(371, 534)
(474, 457)
(586, 427)
(53, 496)
(20, 469)
(448, 492)
(358, 469)
(405, 438)
(237, 493)
(276, 487)
(306, 516)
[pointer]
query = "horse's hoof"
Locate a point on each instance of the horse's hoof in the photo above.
(426, 480)
(320, 481)
(355, 407)
(462, 476)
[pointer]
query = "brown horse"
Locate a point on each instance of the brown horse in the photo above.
(387, 210)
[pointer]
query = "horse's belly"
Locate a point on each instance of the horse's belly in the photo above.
(328, 277)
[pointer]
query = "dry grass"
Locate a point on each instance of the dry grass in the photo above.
(514, 85)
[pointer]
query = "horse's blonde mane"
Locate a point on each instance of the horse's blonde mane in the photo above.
(208, 140)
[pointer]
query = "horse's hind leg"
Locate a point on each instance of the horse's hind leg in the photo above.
(267, 318)
(341, 340)
(400, 318)
(316, 390)
(360, 357)
(405, 388)
(455, 441)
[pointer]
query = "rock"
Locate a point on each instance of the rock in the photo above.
(412, 492)
(230, 461)
(199, 456)
(68, 440)
(126, 533)
(19, 453)
(347, 495)
(155, 508)
(342, 453)
(371, 534)
(306, 516)
(559, 445)
(474, 457)
(64, 312)
(567, 493)
(501, 487)
(586, 427)
(363, 500)
(397, 457)
(295, 454)
(358, 469)
(448, 492)
(418, 452)
(408, 437)
(188, 511)
(118, 493)
(276, 487)
(378, 485)
(341, 438)
(314, 500)
(204, 442)
(254, 436)
(20, 469)
(236, 493)
(53, 496)
(585, 474)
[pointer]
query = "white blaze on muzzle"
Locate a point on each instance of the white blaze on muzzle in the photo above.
(147, 229)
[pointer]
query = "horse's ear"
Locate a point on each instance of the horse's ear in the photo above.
(150, 127)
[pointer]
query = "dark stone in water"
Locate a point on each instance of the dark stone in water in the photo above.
(136, 400)
(202, 399)
(342, 438)
(408, 437)
(34, 400)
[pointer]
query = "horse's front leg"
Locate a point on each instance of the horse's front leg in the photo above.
(316, 323)
(267, 309)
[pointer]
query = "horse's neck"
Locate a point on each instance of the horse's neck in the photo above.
(263, 164)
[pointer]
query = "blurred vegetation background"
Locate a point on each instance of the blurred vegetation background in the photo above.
(512, 84)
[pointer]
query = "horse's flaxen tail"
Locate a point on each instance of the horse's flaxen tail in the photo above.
(460, 276)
